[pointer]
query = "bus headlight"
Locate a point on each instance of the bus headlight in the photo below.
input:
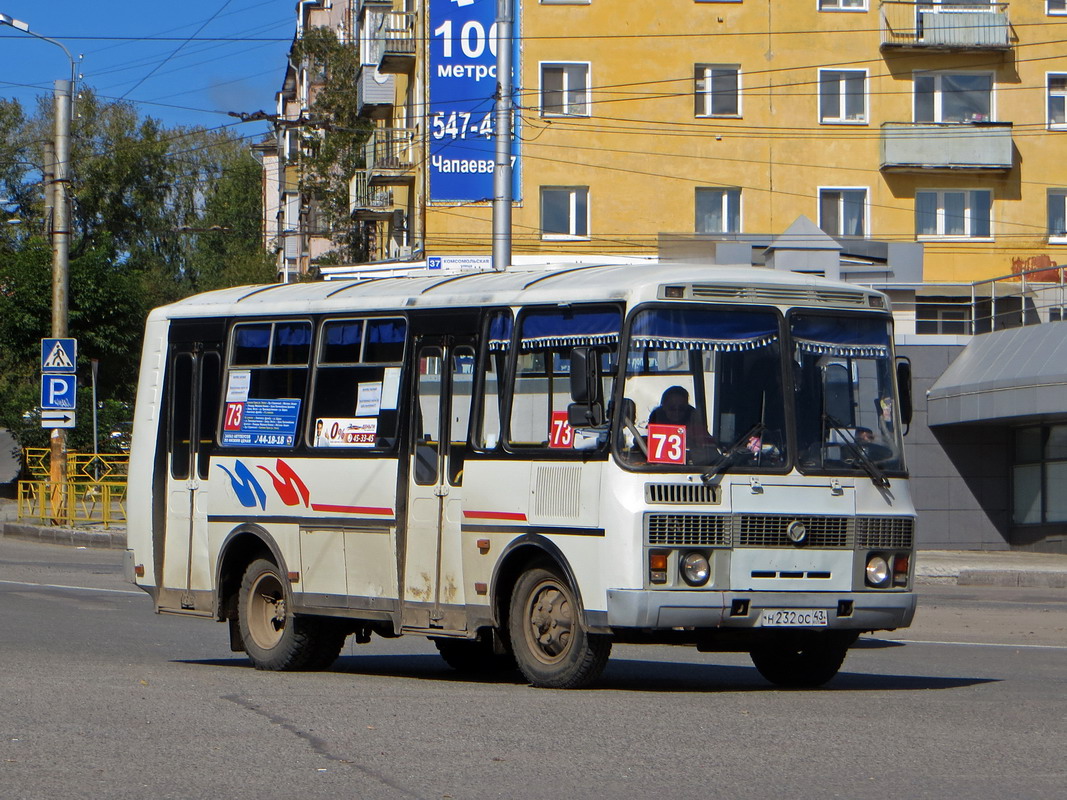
(878, 573)
(695, 569)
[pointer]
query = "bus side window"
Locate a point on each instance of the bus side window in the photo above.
(210, 388)
(459, 420)
(181, 415)
(492, 392)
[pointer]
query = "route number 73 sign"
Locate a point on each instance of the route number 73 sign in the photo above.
(666, 444)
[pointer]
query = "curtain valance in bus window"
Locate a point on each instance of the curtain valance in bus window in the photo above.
(678, 329)
(544, 331)
(500, 327)
(842, 337)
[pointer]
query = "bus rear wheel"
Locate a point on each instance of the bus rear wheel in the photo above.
(551, 648)
(802, 662)
(274, 638)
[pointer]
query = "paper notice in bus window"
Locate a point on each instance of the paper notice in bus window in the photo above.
(237, 388)
(390, 387)
(345, 432)
(369, 399)
(666, 443)
(561, 434)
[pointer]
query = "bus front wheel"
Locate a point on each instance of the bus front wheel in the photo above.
(802, 662)
(550, 646)
(274, 638)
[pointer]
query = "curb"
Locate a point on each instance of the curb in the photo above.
(71, 537)
(1039, 579)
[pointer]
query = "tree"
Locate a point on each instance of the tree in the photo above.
(332, 143)
(157, 213)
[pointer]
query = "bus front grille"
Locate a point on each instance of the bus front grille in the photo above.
(772, 530)
(885, 532)
(689, 530)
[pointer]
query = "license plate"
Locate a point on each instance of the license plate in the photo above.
(793, 618)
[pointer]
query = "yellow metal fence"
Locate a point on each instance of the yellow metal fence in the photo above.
(94, 492)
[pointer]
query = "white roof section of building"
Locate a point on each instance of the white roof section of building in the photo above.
(1004, 375)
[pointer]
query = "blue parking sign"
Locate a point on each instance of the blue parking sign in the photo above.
(59, 392)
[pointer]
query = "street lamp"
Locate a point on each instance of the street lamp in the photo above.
(19, 25)
(64, 113)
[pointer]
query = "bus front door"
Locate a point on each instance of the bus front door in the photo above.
(432, 577)
(194, 378)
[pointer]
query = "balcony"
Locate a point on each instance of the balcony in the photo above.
(368, 201)
(946, 25)
(291, 178)
(913, 146)
(390, 155)
(375, 93)
(393, 37)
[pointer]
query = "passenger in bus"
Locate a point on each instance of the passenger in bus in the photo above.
(674, 409)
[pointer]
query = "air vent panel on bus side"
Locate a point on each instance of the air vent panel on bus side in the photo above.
(765, 294)
(682, 493)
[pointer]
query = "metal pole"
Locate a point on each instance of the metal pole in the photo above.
(60, 273)
(502, 163)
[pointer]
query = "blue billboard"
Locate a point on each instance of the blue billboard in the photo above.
(461, 118)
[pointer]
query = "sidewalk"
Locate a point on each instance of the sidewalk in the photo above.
(961, 567)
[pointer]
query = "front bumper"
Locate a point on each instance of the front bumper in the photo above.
(664, 610)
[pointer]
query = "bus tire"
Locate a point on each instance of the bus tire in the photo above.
(801, 662)
(551, 648)
(274, 638)
(474, 657)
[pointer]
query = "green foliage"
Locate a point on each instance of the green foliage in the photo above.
(157, 214)
(333, 144)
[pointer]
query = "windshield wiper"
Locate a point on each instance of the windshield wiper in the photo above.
(727, 456)
(877, 476)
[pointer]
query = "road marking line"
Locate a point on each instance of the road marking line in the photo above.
(61, 586)
(978, 644)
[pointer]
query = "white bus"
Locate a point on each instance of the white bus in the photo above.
(527, 466)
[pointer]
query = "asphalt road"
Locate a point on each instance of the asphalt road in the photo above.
(100, 698)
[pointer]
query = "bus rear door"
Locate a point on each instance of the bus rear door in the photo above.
(195, 377)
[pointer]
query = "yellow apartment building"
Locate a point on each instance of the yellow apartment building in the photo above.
(939, 122)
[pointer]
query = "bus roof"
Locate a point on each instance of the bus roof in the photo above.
(551, 284)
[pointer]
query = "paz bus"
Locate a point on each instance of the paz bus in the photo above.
(527, 466)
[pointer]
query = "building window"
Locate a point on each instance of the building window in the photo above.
(842, 5)
(565, 212)
(842, 96)
(954, 213)
(1057, 100)
(944, 315)
(718, 210)
(1057, 215)
(1056, 6)
(843, 212)
(565, 90)
(953, 97)
(718, 90)
(1039, 473)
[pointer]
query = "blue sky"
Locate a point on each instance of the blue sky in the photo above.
(165, 57)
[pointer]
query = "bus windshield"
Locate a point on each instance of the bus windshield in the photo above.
(704, 388)
(843, 384)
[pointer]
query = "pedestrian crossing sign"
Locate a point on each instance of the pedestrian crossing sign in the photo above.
(59, 355)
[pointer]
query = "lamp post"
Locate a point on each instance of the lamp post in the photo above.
(64, 112)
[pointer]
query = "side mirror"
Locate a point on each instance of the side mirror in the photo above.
(585, 375)
(904, 387)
